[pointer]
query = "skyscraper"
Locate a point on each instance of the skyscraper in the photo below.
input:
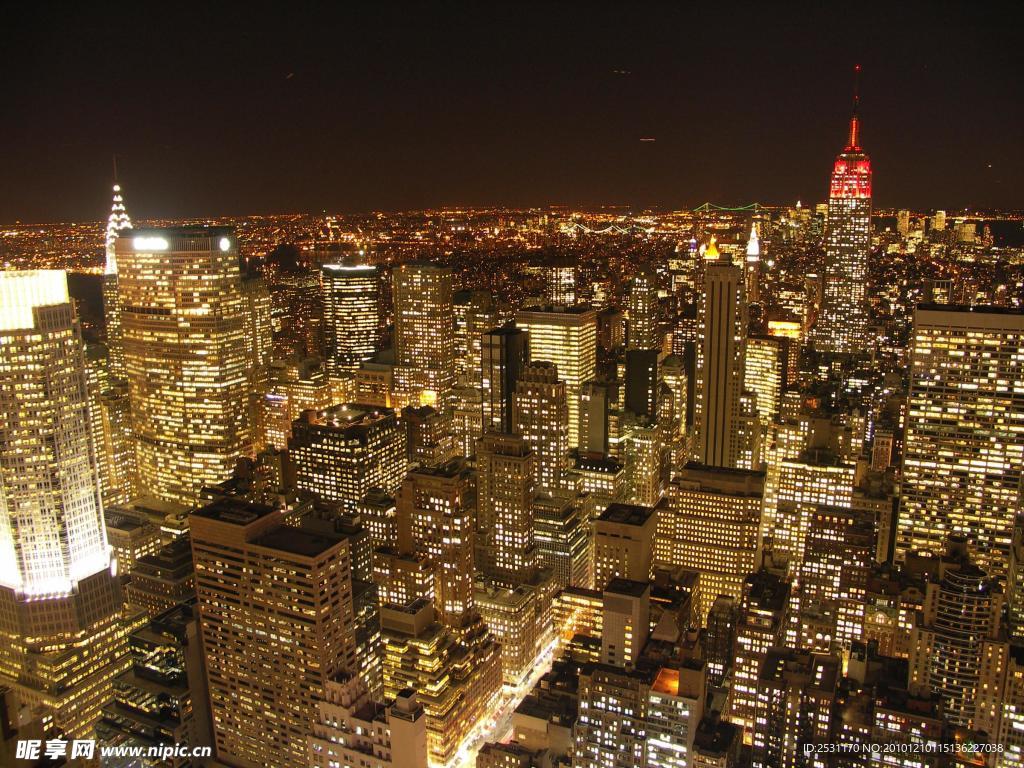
(424, 335)
(567, 337)
(342, 452)
(718, 409)
(63, 640)
(277, 623)
(183, 325)
(503, 354)
(505, 496)
(644, 325)
(712, 524)
(963, 457)
(540, 414)
(116, 224)
(351, 314)
(435, 522)
(842, 325)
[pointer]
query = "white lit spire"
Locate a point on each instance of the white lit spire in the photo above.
(118, 220)
(753, 245)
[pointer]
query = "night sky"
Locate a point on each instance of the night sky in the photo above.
(272, 109)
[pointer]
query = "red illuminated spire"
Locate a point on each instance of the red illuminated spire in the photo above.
(853, 142)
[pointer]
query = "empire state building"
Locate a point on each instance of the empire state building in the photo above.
(842, 325)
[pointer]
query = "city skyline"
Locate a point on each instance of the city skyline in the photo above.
(694, 486)
(361, 132)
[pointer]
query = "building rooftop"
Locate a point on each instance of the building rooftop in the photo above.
(298, 541)
(621, 586)
(234, 511)
(626, 514)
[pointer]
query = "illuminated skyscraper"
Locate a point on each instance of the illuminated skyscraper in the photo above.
(644, 325)
(277, 623)
(963, 456)
(842, 325)
(351, 314)
(540, 414)
(424, 335)
(116, 223)
(61, 637)
(761, 625)
(342, 452)
(958, 650)
(719, 414)
(503, 354)
(560, 283)
(435, 522)
(753, 266)
(567, 337)
(183, 325)
(765, 374)
(712, 525)
(505, 496)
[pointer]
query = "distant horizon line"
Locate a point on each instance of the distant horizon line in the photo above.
(969, 212)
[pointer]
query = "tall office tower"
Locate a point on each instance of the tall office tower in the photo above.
(611, 329)
(182, 322)
(259, 339)
(352, 315)
(564, 540)
(838, 560)
(645, 459)
(476, 312)
(116, 449)
(63, 639)
(1015, 580)
(467, 420)
(560, 284)
(435, 521)
(456, 681)
(963, 455)
(297, 386)
(818, 477)
(720, 363)
(765, 374)
(344, 451)
(276, 616)
(796, 694)
(161, 699)
(116, 224)
(842, 325)
(567, 337)
(598, 399)
(624, 543)
(505, 497)
(424, 335)
(504, 353)
(541, 415)
(712, 524)
(719, 637)
(428, 438)
(518, 624)
(163, 580)
(673, 374)
(761, 626)
(752, 267)
(939, 221)
(353, 726)
(903, 222)
(642, 304)
(958, 649)
(642, 382)
(610, 729)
